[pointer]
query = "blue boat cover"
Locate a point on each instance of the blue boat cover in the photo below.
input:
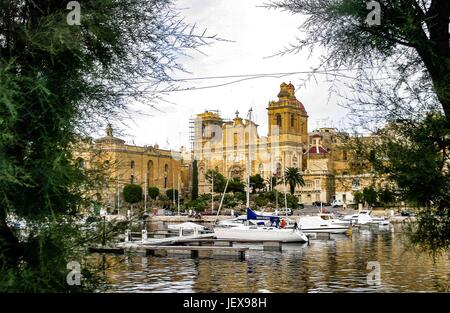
(251, 215)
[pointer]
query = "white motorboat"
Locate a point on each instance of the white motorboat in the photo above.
(260, 233)
(186, 226)
(364, 217)
(315, 224)
(334, 220)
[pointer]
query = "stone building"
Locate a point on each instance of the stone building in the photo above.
(129, 164)
(320, 155)
(223, 144)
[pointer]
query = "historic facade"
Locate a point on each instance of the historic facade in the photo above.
(143, 165)
(222, 145)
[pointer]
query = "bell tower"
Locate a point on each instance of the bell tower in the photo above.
(288, 130)
(288, 117)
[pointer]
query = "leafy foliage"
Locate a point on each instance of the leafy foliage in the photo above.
(257, 182)
(219, 180)
(172, 194)
(56, 82)
(153, 192)
(194, 191)
(293, 178)
(132, 193)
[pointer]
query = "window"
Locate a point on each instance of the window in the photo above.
(261, 169)
(165, 182)
(80, 163)
(309, 184)
(278, 119)
(278, 172)
(132, 179)
(344, 155)
(317, 183)
(132, 165)
(150, 172)
(166, 168)
(292, 120)
(355, 184)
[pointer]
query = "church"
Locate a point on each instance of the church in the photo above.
(320, 155)
(222, 145)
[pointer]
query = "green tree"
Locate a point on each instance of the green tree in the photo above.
(132, 193)
(153, 192)
(236, 185)
(411, 44)
(358, 197)
(194, 191)
(256, 182)
(275, 181)
(172, 193)
(386, 196)
(418, 29)
(58, 83)
(370, 195)
(293, 178)
(219, 180)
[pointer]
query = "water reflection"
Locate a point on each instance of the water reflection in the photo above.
(336, 265)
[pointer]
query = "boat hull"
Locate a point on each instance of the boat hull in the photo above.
(331, 230)
(260, 234)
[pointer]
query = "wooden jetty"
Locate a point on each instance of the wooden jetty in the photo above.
(197, 251)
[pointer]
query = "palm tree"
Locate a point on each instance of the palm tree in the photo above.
(293, 178)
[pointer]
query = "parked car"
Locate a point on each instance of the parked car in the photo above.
(301, 206)
(337, 203)
(318, 203)
(168, 213)
(284, 211)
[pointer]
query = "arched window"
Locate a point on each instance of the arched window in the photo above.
(132, 165)
(278, 118)
(166, 168)
(261, 169)
(278, 172)
(150, 173)
(292, 120)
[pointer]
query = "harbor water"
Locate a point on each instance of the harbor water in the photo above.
(371, 260)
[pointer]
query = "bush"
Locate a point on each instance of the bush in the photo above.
(132, 193)
(153, 192)
(240, 196)
(170, 193)
(197, 204)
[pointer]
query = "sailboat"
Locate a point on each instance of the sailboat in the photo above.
(251, 231)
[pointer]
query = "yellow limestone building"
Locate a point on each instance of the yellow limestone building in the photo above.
(320, 155)
(222, 145)
(123, 163)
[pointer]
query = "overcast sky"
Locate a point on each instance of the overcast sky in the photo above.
(257, 33)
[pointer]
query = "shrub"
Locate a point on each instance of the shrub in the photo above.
(132, 193)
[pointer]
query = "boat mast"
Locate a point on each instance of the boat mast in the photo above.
(249, 155)
(212, 190)
(285, 197)
(179, 191)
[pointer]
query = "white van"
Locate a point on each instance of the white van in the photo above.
(337, 203)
